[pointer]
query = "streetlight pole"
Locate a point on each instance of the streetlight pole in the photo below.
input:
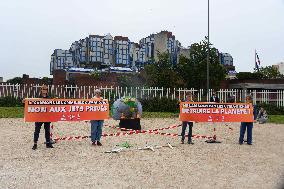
(208, 52)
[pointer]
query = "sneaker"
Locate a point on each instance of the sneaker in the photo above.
(189, 142)
(240, 143)
(94, 144)
(182, 142)
(34, 147)
(49, 145)
(99, 143)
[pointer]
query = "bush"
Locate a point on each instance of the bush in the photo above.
(159, 105)
(271, 109)
(10, 101)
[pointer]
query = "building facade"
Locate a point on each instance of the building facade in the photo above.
(95, 49)
(61, 60)
(226, 59)
(122, 49)
(280, 67)
(99, 52)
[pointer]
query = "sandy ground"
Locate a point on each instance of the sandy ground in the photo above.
(78, 164)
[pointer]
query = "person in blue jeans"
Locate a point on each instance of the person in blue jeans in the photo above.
(188, 98)
(247, 126)
(96, 125)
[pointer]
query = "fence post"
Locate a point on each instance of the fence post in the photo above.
(282, 98)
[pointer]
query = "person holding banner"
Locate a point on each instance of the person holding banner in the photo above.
(43, 94)
(96, 125)
(188, 98)
(247, 125)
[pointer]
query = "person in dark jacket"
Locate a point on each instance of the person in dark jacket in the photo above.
(247, 125)
(214, 98)
(188, 98)
(43, 94)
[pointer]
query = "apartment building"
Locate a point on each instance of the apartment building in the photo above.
(61, 60)
(122, 49)
(104, 51)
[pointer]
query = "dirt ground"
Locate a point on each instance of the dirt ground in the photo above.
(76, 163)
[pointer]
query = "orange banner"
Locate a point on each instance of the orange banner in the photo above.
(216, 112)
(53, 110)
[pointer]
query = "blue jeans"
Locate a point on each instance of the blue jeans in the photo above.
(96, 130)
(244, 126)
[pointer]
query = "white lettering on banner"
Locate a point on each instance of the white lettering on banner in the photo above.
(200, 111)
(186, 111)
(101, 108)
(76, 109)
(36, 109)
(235, 111)
(185, 105)
(214, 111)
(57, 109)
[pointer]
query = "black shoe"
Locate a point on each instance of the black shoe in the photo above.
(240, 143)
(34, 147)
(99, 143)
(49, 145)
(189, 142)
(182, 141)
(249, 143)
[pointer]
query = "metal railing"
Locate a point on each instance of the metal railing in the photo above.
(66, 91)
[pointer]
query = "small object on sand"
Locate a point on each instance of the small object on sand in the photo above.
(213, 141)
(171, 147)
(115, 150)
(147, 148)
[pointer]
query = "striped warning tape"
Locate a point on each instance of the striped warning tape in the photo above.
(160, 129)
(133, 132)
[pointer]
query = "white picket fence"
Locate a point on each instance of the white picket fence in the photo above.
(64, 91)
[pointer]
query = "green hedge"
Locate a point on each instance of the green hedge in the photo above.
(159, 105)
(271, 109)
(10, 101)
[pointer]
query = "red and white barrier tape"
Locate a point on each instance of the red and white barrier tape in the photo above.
(118, 133)
(149, 130)
(131, 133)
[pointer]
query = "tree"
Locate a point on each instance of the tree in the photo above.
(47, 80)
(248, 75)
(15, 80)
(162, 73)
(194, 69)
(269, 72)
(96, 74)
(130, 80)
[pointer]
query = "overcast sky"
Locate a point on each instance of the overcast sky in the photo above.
(32, 29)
